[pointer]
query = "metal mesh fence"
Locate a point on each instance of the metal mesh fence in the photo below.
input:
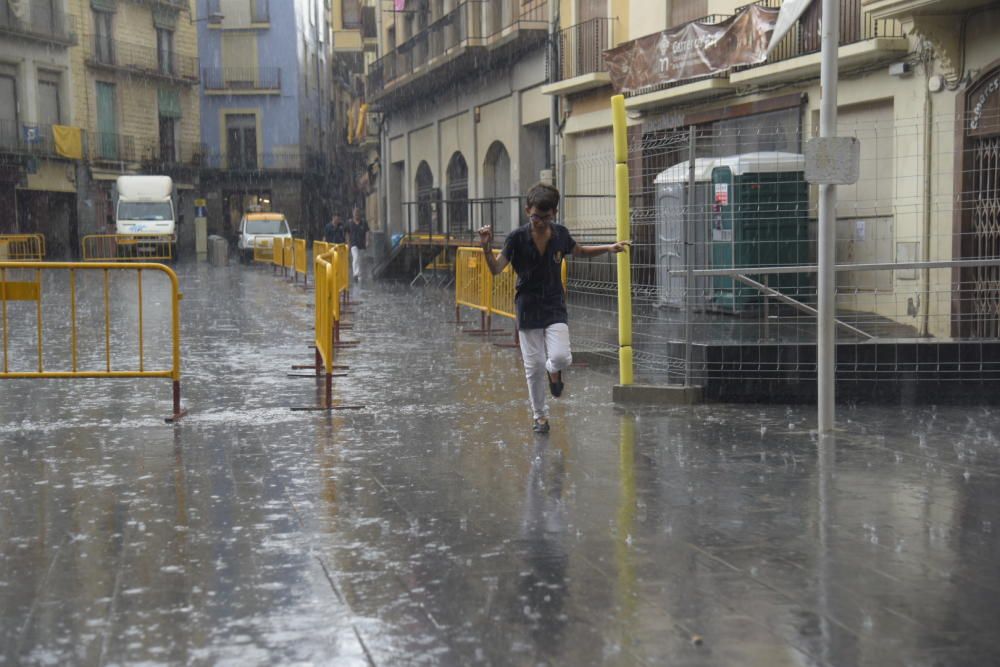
(723, 263)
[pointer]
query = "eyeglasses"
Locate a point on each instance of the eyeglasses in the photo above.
(534, 217)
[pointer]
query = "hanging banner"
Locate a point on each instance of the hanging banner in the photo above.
(400, 5)
(691, 50)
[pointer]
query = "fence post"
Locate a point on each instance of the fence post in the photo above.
(625, 368)
(689, 255)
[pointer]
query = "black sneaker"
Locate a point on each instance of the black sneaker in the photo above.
(541, 426)
(555, 387)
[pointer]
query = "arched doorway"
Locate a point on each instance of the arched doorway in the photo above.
(458, 194)
(424, 187)
(496, 188)
(978, 216)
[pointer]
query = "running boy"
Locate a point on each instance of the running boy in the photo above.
(536, 251)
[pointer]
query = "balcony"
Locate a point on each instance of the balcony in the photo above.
(180, 5)
(241, 15)
(472, 38)
(279, 161)
(143, 61)
(579, 63)
(55, 27)
(900, 9)
(106, 147)
(182, 154)
(864, 39)
(27, 139)
(241, 80)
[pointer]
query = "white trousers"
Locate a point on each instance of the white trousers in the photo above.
(543, 350)
(356, 261)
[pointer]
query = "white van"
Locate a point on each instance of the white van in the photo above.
(146, 206)
(263, 226)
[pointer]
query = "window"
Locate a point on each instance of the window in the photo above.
(8, 111)
(165, 50)
(682, 11)
(239, 59)
(352, 13)
(241, 141)
(49, 104)
(103, 45)
(43, 16)
(168, 139)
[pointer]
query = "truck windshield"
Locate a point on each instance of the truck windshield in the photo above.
(266, 227)
(141, 210)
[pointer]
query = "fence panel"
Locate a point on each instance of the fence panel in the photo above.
(22, 247)
(127, 248)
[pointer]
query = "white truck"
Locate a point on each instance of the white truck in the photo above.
(146, 206)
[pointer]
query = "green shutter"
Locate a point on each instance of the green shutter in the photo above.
(104, 5)
(170, 103)
(164, 17)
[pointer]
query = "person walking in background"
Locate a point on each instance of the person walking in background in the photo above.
(358, 236)
(536, 251)
(334, 231)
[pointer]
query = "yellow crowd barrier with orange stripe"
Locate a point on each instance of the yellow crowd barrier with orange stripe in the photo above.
(22, 247)
(127, 248)
(14, 291)
(477, 288)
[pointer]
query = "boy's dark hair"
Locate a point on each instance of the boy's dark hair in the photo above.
(543, 196)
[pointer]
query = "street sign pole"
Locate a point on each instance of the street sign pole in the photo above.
(826, 345)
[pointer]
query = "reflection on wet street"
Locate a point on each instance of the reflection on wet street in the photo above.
(433, 527)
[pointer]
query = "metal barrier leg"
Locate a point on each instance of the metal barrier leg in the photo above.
(178, 412)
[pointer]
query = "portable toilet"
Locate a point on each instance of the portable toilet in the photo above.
(760, 205)
(672, 214)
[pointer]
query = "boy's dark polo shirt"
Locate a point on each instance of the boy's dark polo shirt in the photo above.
(540, 299)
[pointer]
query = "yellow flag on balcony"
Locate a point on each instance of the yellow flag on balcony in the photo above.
(68, 141)
(362, 119)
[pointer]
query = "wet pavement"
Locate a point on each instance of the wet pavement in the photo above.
(433, 527)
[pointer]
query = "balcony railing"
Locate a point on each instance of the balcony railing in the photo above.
(55, 27)
(106, 147)
(581, 48)
(856, 25)
(257, 11)
(173, 4)
(184, 153)
(141, 60)
(472, 24)
(241, 78)
(273, 161)
(27, 139)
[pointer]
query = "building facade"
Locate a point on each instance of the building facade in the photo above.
(37, 183)
(917, 85)
(465, 125)
(135, 94)
(265, 112)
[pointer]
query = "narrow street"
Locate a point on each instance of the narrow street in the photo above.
(433, 527)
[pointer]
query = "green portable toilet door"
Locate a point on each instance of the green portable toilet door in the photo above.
(107, 125)
(723, 293)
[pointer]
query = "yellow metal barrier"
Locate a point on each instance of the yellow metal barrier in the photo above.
(343, 267)
(263, 249)
(13, 291)
(476, 287)
(127, 248)
(278, 258)
(327, 275)
(287, 256)
(300, 259)
(22, 247)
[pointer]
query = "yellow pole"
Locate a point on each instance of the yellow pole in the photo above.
(622, 221)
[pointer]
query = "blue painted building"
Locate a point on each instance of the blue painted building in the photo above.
(265, 95)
